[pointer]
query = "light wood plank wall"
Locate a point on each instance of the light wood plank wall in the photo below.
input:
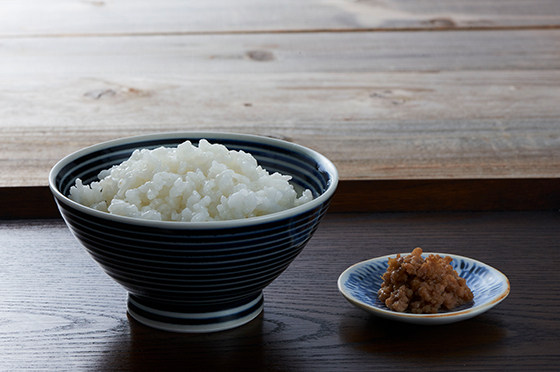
(66, 17)
(386, 89)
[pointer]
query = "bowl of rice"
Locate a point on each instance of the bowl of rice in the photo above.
(194, 225)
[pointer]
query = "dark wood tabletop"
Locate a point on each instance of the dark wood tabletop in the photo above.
(441, 116)
(60, 312)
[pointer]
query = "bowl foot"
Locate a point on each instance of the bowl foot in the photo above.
(200, 322)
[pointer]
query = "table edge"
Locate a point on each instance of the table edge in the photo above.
(435, 195)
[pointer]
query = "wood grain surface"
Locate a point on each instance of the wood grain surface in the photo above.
(105, 17)
(58, 311)
(381, 105)
(423, 105)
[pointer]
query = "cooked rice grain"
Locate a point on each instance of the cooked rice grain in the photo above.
(189, 183)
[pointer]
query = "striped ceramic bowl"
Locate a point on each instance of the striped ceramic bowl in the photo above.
(196, 276)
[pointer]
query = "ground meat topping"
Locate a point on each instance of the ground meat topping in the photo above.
(422, 286)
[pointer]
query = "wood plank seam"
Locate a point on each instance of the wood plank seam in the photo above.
(295, 31)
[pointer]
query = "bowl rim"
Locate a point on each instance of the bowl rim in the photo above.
(323, 162)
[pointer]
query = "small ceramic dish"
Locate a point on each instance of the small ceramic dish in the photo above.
(359, 285)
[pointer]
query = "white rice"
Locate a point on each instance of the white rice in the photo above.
(189, 183)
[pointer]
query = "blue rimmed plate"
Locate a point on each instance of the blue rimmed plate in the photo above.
(359, 285)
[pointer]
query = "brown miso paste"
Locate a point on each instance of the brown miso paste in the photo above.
(422, 286)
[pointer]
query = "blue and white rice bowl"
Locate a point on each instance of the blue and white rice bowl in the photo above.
(196, 276)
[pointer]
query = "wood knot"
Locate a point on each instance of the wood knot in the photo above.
(96, 3)
(280, 137)
(114, 93)
(260, 55)
(100, 93)
(441, 23)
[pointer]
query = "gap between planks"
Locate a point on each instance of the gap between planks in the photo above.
(296, 31)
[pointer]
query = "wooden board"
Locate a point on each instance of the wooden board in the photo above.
(61, 312)
(109, 17)
(407, 105)
(365, 196)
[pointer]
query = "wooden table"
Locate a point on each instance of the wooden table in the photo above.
(443, 118)
(60, 312)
